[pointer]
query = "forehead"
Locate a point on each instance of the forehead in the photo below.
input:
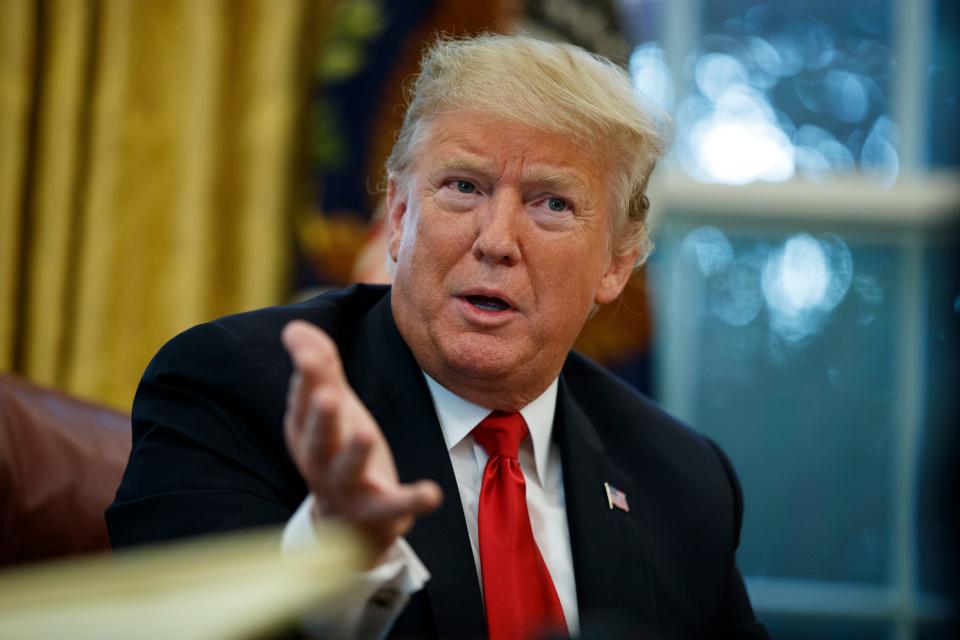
(498, 147)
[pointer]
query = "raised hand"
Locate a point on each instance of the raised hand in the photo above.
(339, 448)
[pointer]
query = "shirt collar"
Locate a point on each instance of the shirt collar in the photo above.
(458, 417)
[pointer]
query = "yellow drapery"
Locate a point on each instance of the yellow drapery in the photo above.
(147, 175)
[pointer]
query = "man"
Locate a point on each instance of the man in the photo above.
(506, 485)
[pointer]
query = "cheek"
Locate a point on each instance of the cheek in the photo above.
(429, 247)
(447, 236)
(570, 267)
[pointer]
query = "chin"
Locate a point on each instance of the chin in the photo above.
(482, 356)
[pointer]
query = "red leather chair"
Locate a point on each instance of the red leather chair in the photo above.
(60, 463)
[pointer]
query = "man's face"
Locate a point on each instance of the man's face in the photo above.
(502, 237)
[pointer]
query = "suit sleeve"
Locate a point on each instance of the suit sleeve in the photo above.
(736, 616)
(208, 452)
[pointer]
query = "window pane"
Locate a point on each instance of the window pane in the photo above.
(784, 627)
(944, 132)
(795, 349)
(776, 89)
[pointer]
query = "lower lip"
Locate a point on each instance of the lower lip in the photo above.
(487, 317)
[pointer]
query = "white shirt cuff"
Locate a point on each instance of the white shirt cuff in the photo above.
(378, 596)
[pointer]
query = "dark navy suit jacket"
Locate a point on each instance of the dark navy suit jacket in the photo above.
(208, 455)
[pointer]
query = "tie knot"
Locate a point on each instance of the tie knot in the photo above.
(500, 434)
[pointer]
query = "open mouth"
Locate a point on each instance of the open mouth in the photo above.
(486, 303)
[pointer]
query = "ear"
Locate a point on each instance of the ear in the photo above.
(396, 215)
(616, 276)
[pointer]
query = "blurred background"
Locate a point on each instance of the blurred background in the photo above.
(164, 163)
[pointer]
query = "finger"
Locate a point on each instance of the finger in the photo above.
(296, 333)
(313, 353)
(316, 361)
(349, 466)
(406, 500)
(322, 432)
(308, 367)
(296, 406)
(424, 496)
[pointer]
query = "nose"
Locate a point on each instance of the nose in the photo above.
(498, 229)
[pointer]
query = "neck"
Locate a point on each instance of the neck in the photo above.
(503, 395)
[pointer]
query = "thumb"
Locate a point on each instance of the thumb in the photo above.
(419, 498)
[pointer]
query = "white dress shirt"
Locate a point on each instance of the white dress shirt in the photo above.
(400, 573)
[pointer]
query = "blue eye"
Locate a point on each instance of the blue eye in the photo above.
(557, 204)
(465, 186)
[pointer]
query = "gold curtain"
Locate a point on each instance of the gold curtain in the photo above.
(147, 175)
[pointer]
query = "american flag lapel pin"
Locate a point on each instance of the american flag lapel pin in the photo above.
(616, 499)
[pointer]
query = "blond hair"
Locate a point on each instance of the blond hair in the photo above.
(559, 87)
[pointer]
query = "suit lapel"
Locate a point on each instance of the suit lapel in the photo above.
(385, 375)
(611, 551)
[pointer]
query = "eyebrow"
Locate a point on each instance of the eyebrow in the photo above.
(549, 179)
(469, 165)
(559, 181)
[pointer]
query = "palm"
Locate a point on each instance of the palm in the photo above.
(339, 449)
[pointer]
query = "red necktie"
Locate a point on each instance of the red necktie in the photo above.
(519, 595)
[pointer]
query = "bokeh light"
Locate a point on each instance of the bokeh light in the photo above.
(651, 75)
(800, 283)
(774, 93)
(803, 282)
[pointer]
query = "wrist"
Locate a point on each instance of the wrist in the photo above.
(377, 541)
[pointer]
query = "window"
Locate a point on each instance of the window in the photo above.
(807, 293)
